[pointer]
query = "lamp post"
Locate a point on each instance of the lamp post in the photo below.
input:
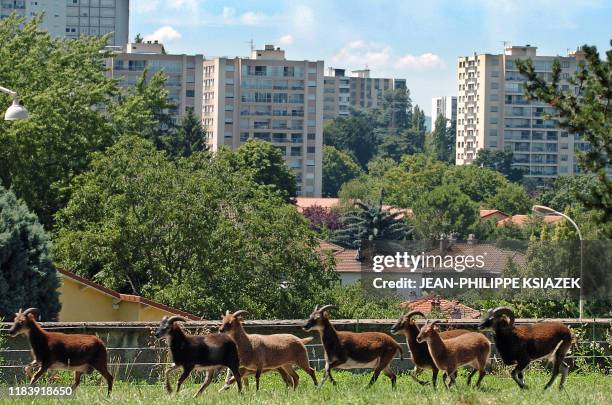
(540, 209)
(16, 111)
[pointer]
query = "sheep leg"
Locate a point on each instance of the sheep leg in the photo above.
(555, 372)
(77, 379)
(564, 371)
(517, 375)
(389, 373)
(452, 376)
(103, 370)
(257, 375)
(416, 371)
(304, 364)
(167, 375)
(434, 376)
(377, 371)
(328, 374)
(38, 374)
(293, 375)
(469, 380)
(207, 381)
(183, 377)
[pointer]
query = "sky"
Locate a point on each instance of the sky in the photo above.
(416, 40)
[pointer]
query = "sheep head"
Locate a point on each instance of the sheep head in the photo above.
(317, 318)
(23, 321)
(405, 321)
(231, 322)
(498, 318)
(428, 331)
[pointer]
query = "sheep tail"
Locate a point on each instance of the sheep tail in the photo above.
(307, 340)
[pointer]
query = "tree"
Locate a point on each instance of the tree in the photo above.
(443, 141)
(371, 222)
(394, 147)
(445, 210)
(377, 167)
(478, 183)
(189, 137)
(338, 168)
(138, 38)
(585, 113)
(510, 198)
(264, 164)
(144, 109)
(394, 110)
(171, 230)
(354, 135)
(27, 275)
(499, 160)
(322, 220)
(62, 83)
(567, 191)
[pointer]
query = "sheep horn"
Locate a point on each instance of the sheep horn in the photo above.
(499, 311)
(326, 307)
(317, 307)
(437, 321)
(241, 312)
(176, 318)
(30, 310)
(410, 314)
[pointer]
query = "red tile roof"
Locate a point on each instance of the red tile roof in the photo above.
(521, 220)
(345, 258)
(450, 308)
(126, 297)
(489, 213)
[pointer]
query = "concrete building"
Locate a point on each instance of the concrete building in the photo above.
(492, 113)
(445, 106)
(184, 73)
(271, 98)
(73, 18)
(357, 91)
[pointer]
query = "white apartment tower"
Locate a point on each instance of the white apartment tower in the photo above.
(73, 18)
(445, 106)
(357, 91)
(492, 113)
(183, 73)
(271, 98)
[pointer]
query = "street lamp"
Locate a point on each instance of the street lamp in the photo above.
(16, 111)
(542, 209)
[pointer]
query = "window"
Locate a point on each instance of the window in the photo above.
(229, 107)
(190, 93)
(229, 68)
(311, 149)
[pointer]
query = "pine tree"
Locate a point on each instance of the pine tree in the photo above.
(27, 275)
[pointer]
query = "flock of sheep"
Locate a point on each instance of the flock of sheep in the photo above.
(244, 354)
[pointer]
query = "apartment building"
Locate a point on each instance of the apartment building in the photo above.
(73, 18)
(271, 98)
(492, 113)
(184, 73)
(445, 106)
(357, 91)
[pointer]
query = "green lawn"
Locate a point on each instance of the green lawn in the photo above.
(580, 389)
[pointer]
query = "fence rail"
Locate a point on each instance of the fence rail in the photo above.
(134, 353)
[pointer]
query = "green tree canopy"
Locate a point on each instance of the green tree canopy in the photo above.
(189, 232)
(445, 210)
(27, 275)
(354, 134)
(442, 143)
(499, 160)
(264, 164)
(338, 168)
(511, 199)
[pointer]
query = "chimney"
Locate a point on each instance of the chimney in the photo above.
(471, 240)
(443, 244)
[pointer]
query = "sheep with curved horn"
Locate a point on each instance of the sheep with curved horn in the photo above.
(521, 344)
(349, 350)
(209, 352)
(470, 348)
(53, 350)
(261, 353)
(421, 358)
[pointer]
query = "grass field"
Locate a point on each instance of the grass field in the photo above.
(590, 388)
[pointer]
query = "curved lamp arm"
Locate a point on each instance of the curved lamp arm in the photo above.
(9, 92)
(540, 208)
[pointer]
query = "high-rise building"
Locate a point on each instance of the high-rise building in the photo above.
(445, 106)
(271, 98)
(493, 113)
(357, 91)
(183, 72)
(73, 18)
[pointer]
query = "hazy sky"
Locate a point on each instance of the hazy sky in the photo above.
(416, 40)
